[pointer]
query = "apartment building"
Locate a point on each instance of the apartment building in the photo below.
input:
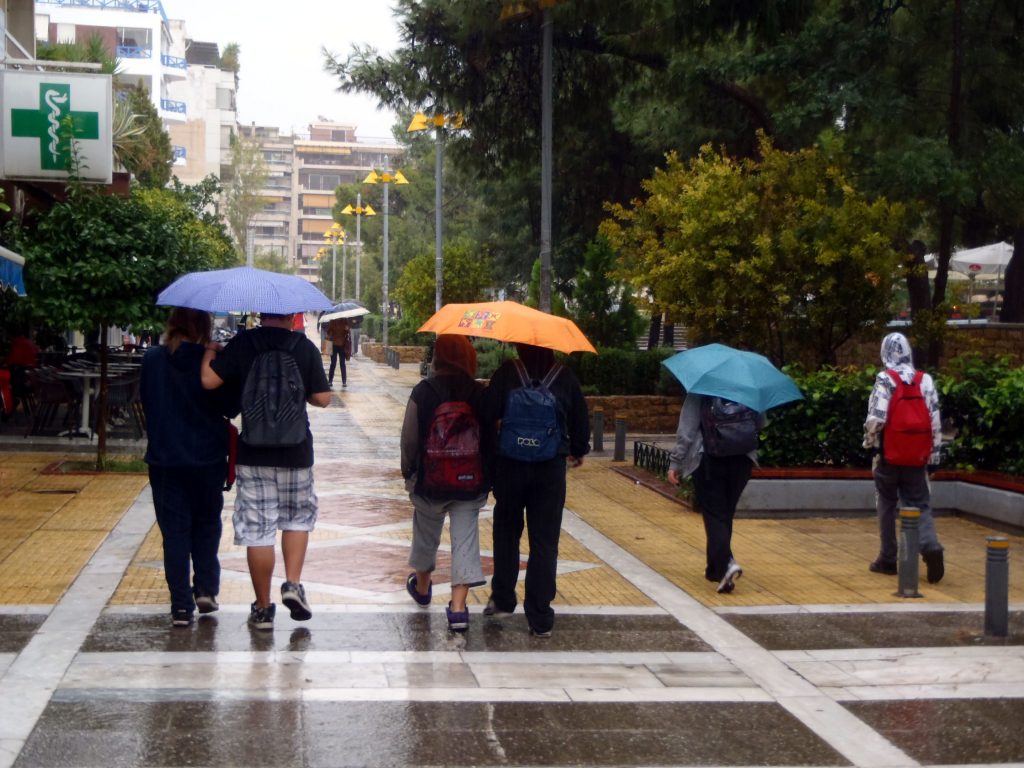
(193, 96)
(304, 172)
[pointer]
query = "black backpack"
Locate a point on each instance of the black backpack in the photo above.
(274, 397)
(729, 429)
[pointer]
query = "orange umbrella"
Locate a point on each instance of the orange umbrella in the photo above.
(509, 321)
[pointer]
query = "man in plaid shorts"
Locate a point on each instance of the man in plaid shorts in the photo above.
(275, 484)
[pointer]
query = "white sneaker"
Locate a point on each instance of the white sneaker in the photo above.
(728, 582)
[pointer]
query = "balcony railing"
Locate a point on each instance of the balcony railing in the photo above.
(173, 61)
(141, 6)
(170, 105)
(134, 52)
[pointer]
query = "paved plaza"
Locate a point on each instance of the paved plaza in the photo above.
(812, 661)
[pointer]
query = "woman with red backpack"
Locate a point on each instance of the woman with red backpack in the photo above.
(444, 471)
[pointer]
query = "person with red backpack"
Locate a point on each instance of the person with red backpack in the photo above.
(904, 426)
(445, 473)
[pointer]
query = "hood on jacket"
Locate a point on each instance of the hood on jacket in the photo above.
(898, 356)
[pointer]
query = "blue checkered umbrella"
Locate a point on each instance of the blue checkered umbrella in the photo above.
(244, 289)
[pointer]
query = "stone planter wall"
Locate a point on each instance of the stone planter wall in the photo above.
(644, 414)
(988, 340)
(375, 351)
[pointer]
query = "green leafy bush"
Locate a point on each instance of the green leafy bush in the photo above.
(826, 427)
(983, 401)
(624, 372)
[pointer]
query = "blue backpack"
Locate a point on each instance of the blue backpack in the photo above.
(530, 429)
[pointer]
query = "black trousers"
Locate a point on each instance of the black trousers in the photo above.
(188, 503)
(718, 484)
(337, 355)
(538, 491)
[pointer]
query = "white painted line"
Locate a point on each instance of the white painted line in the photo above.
(847, 734)
(907, 607)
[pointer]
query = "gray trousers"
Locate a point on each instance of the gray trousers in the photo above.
(907, 487)
(463, 529)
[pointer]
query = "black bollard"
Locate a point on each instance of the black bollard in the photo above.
(599, 429)
(620, 440)
(997, 587)
(910, 550)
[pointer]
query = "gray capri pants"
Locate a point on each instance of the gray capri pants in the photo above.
(464, 529)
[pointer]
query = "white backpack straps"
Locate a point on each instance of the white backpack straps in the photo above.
(556, 368)
(524, 377)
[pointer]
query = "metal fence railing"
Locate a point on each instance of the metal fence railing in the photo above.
(651, 458)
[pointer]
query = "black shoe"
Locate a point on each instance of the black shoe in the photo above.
(262, 618)
(205, 602)
(728, 582)
(542, 635)
(181, 617)
(294, 596)
(494, 611)
(883, 566)
(934, 564)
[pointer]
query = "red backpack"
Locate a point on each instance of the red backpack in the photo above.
(452, 462)
(907, 438)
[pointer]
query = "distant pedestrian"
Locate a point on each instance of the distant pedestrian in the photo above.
(531, 485)
(720, 471)
(275, 481)
(444, 471)
(187, 456)
(904, 427)
(341, 348)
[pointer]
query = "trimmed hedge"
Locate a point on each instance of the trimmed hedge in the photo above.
(982, 403)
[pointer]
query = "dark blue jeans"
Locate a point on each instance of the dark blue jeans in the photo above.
(337, 356)
(538, 491)
(718, 484)
(189, 502)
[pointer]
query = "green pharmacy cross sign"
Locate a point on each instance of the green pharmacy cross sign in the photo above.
(54, 123)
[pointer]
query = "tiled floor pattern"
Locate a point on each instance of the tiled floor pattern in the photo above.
(810, 662)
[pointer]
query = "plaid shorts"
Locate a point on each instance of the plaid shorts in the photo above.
(272, 498)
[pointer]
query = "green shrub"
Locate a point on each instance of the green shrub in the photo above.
(371, 327)
(826, 427)
(624, 372)
(983, 401)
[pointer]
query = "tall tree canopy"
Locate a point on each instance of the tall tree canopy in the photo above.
(920, 94)
(782, 254)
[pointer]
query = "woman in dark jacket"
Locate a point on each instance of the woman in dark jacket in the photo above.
(187, 458)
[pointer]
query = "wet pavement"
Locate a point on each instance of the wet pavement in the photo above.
(811, 661)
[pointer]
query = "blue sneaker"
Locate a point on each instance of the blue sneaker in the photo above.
(458, 621)
(410, 587)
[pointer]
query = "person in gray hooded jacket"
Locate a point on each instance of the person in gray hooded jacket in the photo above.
(906, 485)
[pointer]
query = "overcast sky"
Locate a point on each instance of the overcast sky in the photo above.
(282, 82)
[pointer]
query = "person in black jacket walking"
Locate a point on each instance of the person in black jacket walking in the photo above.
(187, 458)
(536, 489)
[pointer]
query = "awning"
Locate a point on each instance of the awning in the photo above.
(11, 265)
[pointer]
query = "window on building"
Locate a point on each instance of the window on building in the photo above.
(43, 27)
(65, 33)
(225, 99)
(134, 37)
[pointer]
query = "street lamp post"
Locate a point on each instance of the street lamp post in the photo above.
(420, 122)
(516, 11)
(359, 211)
(387, 179)
(332, 237)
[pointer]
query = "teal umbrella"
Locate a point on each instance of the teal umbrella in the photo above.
(743, 377)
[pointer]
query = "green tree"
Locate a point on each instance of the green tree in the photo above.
(146, 152)
(99, 260)
(603, 307)
(242, 185)
(778, 255)
(466, 273)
